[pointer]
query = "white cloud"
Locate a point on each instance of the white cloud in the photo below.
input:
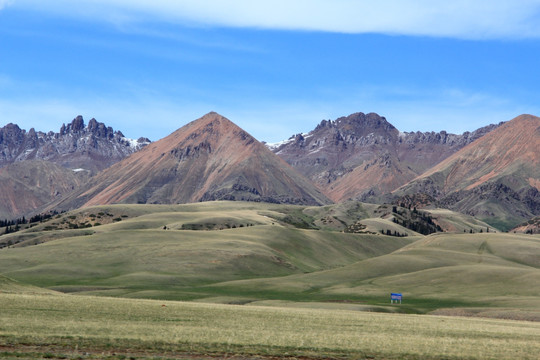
(474, 19)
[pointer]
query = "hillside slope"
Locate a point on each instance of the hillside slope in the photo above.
(165, 251)
(494, 275)
(260, 253)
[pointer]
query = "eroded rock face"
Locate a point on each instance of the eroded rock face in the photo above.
(76, 146)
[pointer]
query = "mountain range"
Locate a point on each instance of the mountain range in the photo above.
(491, 173)
(362, 156)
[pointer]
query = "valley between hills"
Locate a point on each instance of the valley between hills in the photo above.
(330, 221)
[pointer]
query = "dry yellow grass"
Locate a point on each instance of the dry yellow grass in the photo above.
(125, 325)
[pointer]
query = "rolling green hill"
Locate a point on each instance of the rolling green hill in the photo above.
(164, 251)
(273, 254)
(10, 286)
(496, 274)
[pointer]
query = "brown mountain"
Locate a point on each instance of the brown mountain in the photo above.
(208, 159)
(362, 155)
(28, 185)
(495, 178)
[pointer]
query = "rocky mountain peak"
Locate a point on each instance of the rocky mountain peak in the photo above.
(357, 124)
(11, 133)
(98, 129)
(212, 130)
(361, 121)
(77, 124)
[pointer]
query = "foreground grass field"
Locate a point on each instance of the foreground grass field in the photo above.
(34, 326)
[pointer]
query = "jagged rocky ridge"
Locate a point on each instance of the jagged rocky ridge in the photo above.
(91, 147)
(362, 156)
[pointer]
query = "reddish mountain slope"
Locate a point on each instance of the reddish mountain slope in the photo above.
(531, 226)
(208, 159)
(28, 185)
(497, 176)
(514, 147)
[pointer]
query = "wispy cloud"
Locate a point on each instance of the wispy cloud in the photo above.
(470, 19)
(452, 109)
(3, 3)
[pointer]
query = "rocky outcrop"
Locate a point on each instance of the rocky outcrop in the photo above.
(76, 146)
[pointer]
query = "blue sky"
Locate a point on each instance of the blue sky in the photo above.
(273, 67)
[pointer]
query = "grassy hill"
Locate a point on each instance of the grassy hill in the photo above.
(271, 254)
(10, 286)
(154, 251)
(489, 274)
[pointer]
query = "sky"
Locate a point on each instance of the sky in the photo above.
(275, 68)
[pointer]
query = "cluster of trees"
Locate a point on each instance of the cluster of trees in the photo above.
(13, 222)
(390, 233)
(210, 226)
(415, 220)
(42, 217)
(11, 226)
(471, 231)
